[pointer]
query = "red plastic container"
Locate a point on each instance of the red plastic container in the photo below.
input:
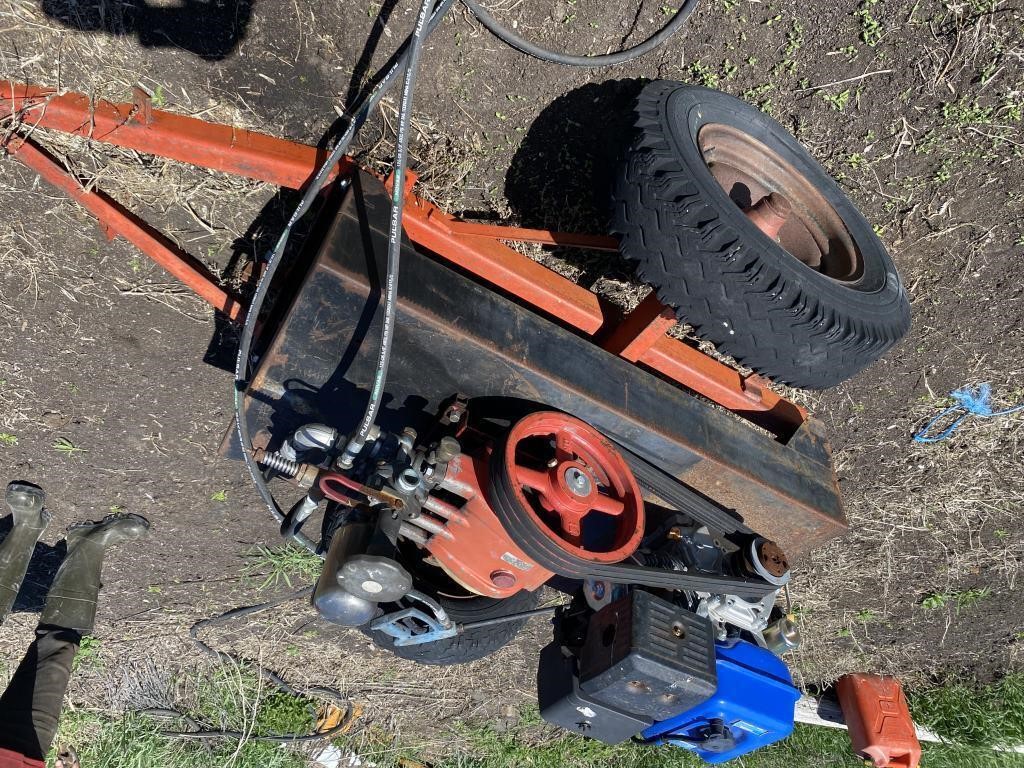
(876, 712)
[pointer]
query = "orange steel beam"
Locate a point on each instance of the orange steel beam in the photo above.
(718, 382)
(431, 228)
(541, 236)
(640, 337)
(187, 139)
(115, 220)
(641, 329)
(290, 164)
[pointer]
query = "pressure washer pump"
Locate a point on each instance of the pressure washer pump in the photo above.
(670, 631)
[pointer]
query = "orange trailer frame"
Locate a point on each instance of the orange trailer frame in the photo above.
(638, 336)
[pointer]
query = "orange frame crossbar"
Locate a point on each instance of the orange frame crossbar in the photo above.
(640, 336)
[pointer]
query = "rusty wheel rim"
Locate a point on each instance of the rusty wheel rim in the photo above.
(780, 201)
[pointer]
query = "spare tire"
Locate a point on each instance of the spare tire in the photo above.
(473, 644)
(809, 298)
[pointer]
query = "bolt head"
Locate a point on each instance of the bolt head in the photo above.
(578, 481)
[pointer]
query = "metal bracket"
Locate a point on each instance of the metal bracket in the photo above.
(439, 625)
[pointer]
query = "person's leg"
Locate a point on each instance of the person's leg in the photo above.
(30, 707)
(71, 601)
(28, 519)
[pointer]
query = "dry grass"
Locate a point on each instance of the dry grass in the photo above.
(946, 525)
(925, 520)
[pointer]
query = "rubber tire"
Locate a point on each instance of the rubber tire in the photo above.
(734, 285)
(473, 644)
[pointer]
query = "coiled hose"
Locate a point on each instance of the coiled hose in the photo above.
(520, 43)
(274, 258)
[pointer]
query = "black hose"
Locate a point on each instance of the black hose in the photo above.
(275, 679)
(600, 60)
(273, 261)
(394, 230)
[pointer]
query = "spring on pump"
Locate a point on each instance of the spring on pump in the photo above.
(280, 464)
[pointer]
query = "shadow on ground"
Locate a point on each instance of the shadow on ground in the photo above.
(211, 29)
(42, 568)
(562, 174)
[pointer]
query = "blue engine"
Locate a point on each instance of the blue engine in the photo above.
(753, 706)
(646, 669)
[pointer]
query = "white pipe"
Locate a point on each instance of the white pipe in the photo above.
(827, 714)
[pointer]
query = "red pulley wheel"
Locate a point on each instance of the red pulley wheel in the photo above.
(575, 486)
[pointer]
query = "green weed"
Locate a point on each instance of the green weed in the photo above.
(219, 496)
(65, 446)
(966, 599)
(238, 699)
(971, 597)
(993, 714)
(794, 38)
(988, 71)
(964, 112)
(702, 74)
(870, 27)
(943, 173)
(88, 653)
(6, 438)
(837, 101)
(1011, 106)
(135, 740)
(270, 567)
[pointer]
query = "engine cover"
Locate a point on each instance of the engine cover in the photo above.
(753, 707)
(649, 657)
(643, 659)
(562, 703)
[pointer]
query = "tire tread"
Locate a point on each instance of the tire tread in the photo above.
(716, 278)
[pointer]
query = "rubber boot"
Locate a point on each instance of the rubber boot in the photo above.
(71, 602)
(29, 519)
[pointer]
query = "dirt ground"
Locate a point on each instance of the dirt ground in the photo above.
(109, 403)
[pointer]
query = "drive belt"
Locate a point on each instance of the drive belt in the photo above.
(546, 552)
(681, 497)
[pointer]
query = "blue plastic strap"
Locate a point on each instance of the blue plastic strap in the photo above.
(969, 403)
